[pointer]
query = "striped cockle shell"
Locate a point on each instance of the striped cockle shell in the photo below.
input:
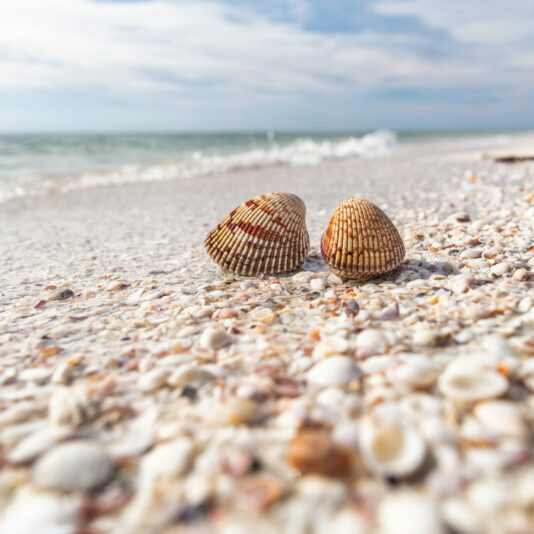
(361, 242)
(266, 234)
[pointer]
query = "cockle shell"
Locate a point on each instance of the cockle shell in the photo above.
(266, 234)
(361, 242)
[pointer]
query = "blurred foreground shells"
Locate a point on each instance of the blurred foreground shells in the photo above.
(266, 234)
(361, 242)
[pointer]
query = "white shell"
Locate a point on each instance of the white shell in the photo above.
(414, 371)
(333, 371)
(34, 512)
(391, 447)
(502, 417)
(167, 461)
(38, 442)
(468, 380)
(76, 465)
(371, 341)
(214, 339)
(408, 512)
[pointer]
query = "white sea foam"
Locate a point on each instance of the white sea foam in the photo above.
(302, 151)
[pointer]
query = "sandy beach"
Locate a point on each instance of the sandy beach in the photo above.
(142, 390)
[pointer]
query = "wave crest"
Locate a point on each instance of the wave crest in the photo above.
(301, 151)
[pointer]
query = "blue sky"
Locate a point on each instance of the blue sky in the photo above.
(115, 65)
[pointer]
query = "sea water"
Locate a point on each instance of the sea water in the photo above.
(36, 164)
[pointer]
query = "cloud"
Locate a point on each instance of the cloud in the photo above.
(213, 51)
(170, 45)
(470, 21)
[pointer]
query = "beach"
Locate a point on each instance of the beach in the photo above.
(143, 390)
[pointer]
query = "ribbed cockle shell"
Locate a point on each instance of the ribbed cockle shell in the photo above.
(361, 242)
(266, 234)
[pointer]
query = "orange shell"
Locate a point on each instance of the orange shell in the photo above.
(266, 234)
(361, 242)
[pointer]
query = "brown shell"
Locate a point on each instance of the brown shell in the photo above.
(361, 242)
(266, 234)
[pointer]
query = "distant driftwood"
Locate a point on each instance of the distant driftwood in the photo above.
(513, 159)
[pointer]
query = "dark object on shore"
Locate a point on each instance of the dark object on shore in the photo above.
(63, 293)
(513, 159)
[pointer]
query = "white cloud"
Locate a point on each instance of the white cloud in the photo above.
(470, 21)
(184, 47)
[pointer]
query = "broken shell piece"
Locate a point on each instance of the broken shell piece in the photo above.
(266, 234)
(190, 376)
(468, 380)
(260, 492)
(72, 407)
(391, 448)
(361, 242)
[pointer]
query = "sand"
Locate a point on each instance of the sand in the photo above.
(196, 392)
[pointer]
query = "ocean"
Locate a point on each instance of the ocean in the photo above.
(37, 164)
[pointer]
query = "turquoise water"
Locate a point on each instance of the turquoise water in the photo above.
(35, 163)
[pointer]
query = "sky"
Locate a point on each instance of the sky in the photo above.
(203, 65)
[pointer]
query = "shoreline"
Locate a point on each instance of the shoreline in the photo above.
(191, 433)
(172, 171)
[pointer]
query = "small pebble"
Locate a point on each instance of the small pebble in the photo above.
(226, 313)
(62, 293)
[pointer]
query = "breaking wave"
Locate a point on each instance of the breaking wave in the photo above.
(300, 151)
